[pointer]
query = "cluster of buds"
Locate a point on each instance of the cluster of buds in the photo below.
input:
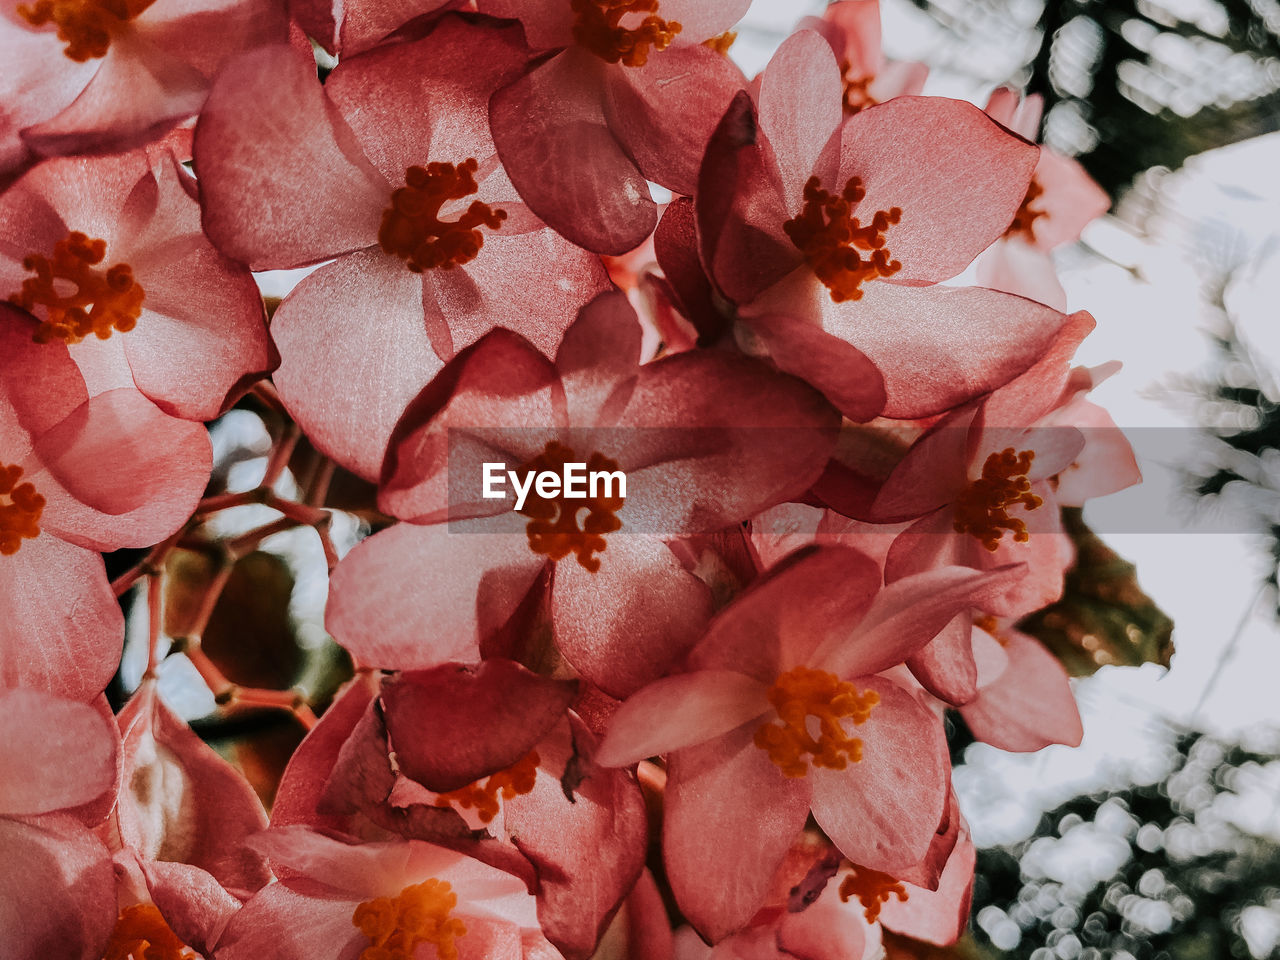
(683, 699)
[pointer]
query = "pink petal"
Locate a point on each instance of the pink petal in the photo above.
(598, 359)
(700, 21)
(664, 113)
(303, 783)
(844, 375)
(898, 79)
(936, 347)
(1012, 266)
(648, 929)
(63, 628)
(57, 893)
(289, 925)
(1030, 705)
(588, 853)
(945, 666)
(1105, 465)
(883, 811)
(729, 819)
(932, 473)
(364, 23)
(413, 597)
(40, 384)
(964, 182)
(800, 103)
(910, 612)
(784, 616)
(344, 380)
(56, 754)
(675, 244)
(194, 905)
(554, 140)
(454, 724)
(680, 711)
(119, 473)
(501, 381)
(426, 100)
(282, 181)
(547, 23)
(824, 931)
(1020, 114)
(182, 801)
(741, 207)
(1070, 200)
(1037, 392)
(940, 916)
(856, 24)
(197, 304)
(608, 625)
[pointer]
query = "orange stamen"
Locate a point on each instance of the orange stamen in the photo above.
(721, 42)
(598, 29)
(113, 297)
(419, 914)
(412, 229)
(20, 510)
(802, 693)
(141, 934)
(553, 528)
(857, 90)
(872, 888)
(829, 236)
(85, 26)
(1024, 220)
(514, 781)
(983, 507)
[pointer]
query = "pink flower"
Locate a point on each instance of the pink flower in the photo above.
(1060, 201)
(500, 400)
(632, 93)
(744, 770)
(154, 306)
(79, 474)
(57, 886)
(83, 78)
(382, 900)
(389, 168)
(852, 28)
(830, 235)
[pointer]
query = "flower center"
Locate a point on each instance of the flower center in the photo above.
(419, 914)
(553, 528)
(20, 509)
(101, 302)
(141, 934)
(412, 229)
(598, 28)
(514, 781)
(830, 238)
(983, 507)
(857, 90)
(85, 26)
(802, 693)
(721, 42)
(872, 888)
(1025, 218)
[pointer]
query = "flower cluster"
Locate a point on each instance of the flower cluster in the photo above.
(699, 717)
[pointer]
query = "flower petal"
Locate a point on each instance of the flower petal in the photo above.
(56, 753)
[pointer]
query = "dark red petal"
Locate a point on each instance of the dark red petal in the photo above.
(454, 724)
(568, 166)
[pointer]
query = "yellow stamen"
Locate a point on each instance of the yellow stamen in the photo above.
(598, 29)
(514, 781)
(85, 26)
(872, 888)
(553, 529)
(113, 297)
(802, 693)
(829, 236)
(983, 507)
(20, 510)
(412, 229)
(419, 914)
(141, 934)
